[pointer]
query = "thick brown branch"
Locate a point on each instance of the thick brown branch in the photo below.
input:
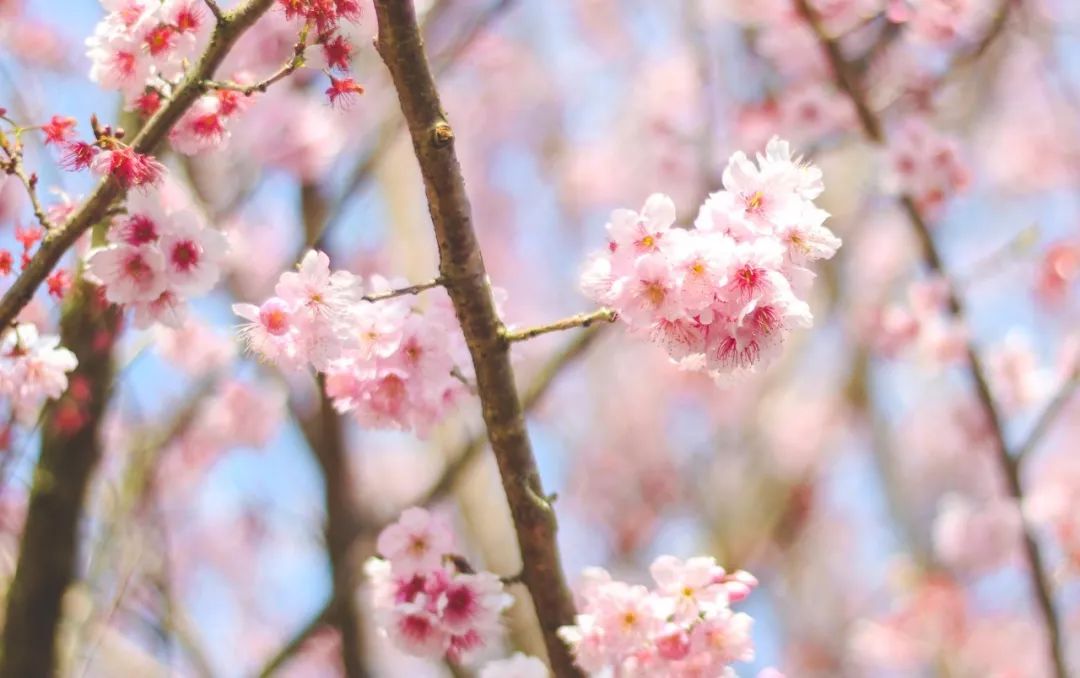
(462, 268)
(57, 241)
(580, 320)
(1007, 463)
(70, 450)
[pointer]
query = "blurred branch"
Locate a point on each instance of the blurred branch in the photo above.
(387, 132)
(461, 461)
(1008, 465)
(70, 450)
(1050, 415)
(324, 431)
(108, 190)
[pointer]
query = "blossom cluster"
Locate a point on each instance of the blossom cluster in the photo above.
(387, 361)
(156, 257)
(925, 165)
(32, 368)
(684, 626)
(426, 600)
(720, 296)
(143, 45)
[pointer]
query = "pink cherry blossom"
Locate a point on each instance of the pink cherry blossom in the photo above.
(33, 368)
(416, 543)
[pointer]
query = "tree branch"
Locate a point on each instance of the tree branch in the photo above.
(108, 190)
(580, 320)
(462, 268)
(1009, 465)
(402, 291)
(325, 434)
(295, 62)
(461, 461)
(48, 551)
(1050, 414)
(15, 167)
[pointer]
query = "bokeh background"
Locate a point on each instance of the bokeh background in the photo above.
(855, 477)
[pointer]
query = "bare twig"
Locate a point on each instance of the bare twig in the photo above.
(871, 125)
(580, 320)
(403, 291)
(29, 181)
(295, 62)
(108, 190)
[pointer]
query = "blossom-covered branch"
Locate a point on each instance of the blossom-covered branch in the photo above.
(580, 320)
(294, 62)
(226, 32)
(847, 81)
(462, 268)
(460, 462)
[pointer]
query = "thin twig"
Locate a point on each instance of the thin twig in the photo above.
(580, 320)
(403, 291)
(1050, 414)
(846, 80)
(295, 62)
(215, 10)
(29, 182)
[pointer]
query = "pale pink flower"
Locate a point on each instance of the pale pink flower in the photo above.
(315, 289)
(270, 331)
(416, 543)
(517, 665)
(33, 368)
(167, 309)
(129, 273)
(192, 256)
(693, 584)
(472, 602)
(976, 536)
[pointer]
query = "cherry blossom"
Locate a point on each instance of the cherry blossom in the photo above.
(425, 604)
(516, 666)
(683, 627)
(719, 296)
(159, 254)
(33, 368)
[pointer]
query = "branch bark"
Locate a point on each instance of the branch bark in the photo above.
(324, 431)
(69, 453)
(460, 462)
(847, 81)
(57, 241)
(461, 267)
